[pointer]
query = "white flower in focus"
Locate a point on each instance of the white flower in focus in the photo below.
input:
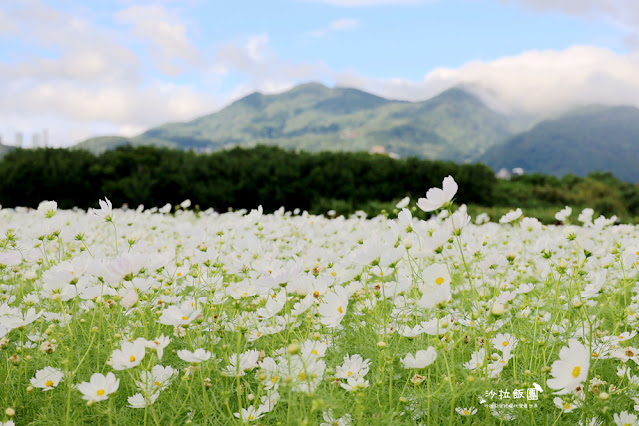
(139, 401)
(333, 308)
(626, 419)
(466, 411)
(421, 359)
(158, 344)
(511, 216)
(436, 198)
(563, 214)
(249, 414)
(247, 361)
(129, 355)
(571, 369)
(105, 212)
(99, 387)
(403, 203)
(567, 407)
(47, 378)
(199, 355)
(48, 208)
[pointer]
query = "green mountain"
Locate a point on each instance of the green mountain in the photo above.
(595, 138)
(454, 125)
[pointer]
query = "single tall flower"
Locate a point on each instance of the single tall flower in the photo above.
(571, 369)
(436, 198)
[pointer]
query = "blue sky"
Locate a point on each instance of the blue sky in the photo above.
(80, 69)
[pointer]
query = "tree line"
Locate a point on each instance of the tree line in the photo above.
(274, 177)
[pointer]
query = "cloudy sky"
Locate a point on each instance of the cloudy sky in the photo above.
(96, 67)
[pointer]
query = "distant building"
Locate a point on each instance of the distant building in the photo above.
(45, 137)
(380, 150)
(19, 139)
(35, 140)
(505, 174)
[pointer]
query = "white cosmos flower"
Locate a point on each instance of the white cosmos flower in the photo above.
(158, 344)
(421, 359)
(105, 212)
(129, 355)
(199, 355)
(436, 198)
(47, 378)
(140, 401)
(99, 387)
(571, 369)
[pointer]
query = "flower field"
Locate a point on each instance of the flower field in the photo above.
(175, 316)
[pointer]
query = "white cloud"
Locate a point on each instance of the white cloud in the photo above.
(535, 82)
(337, 25)
(166, 34)
(267, 72)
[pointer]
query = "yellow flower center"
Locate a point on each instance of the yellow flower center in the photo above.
(184, 317)
(505, 343)
(302, 376)
(314, 352)
(350, 373)
(316, 294)
(100, 392)
(49, 383)
(466, 413)
(132, 358)
(595, 354)
(275, 379)
(157, 383)
(334, 273)
(576, 371)
(567, 406)
(439, 281)
(340, 310)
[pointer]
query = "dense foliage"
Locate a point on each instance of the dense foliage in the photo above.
(237, 178)
(273, 177)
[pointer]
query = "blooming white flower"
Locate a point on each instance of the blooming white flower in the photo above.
(567, 407)
(422, 359)
(198, 355)
(403, 203)
(571, 369)
(625, 419)
(333, 308)
(466, 411)
(158, 344)
(105, 212)
(331, 420)
(140, 401)
(129, 355)
(511, 216)
(99, 387)
(437, 198)
(47, 378)
(48, 208)
(249, 414)
(247, 361)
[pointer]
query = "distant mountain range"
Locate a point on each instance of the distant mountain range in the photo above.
(455, 125)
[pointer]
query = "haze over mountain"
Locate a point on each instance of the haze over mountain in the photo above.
(454, 125)
(596, 138)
